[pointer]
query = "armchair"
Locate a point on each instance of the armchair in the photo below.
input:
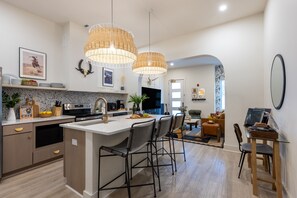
(195, 114)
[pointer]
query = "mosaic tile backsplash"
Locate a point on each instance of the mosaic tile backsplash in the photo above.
(46, 98)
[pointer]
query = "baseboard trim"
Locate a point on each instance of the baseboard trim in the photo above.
(288, 195)
(74, 190)
(231, 148)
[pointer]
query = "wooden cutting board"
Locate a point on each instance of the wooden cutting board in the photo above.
(35, 109)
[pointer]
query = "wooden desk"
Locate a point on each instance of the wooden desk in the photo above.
(276, 180)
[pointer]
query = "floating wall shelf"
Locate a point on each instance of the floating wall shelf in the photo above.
(33, 87)
(198, 99)
(61, 89)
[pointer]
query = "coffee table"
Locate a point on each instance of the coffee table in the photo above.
(192, 122)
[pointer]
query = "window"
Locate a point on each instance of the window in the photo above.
(176, 95)
(223, 94)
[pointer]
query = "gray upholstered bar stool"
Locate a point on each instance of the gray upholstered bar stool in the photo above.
(177, 129)
(164, 127)
(141, 135)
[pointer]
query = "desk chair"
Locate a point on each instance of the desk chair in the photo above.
(141, 135)
(245, 148)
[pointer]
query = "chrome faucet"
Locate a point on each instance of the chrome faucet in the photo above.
(105, 116)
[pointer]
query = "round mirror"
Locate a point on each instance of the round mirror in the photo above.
(278, 81)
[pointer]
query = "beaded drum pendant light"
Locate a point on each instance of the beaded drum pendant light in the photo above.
(109, 45)
(150, 63)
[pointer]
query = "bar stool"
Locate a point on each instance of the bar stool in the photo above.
(177, 129)
(164, 127)
(141, 135)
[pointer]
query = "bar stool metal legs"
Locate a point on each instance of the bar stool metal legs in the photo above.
(141, 135)
(177, 126)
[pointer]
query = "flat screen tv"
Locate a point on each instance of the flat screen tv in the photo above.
(154, 101)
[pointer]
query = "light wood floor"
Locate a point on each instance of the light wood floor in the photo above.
(208, 173)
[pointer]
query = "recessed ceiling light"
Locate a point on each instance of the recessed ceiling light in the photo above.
(223, 7)
(171, 64)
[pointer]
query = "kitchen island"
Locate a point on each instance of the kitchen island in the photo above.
(82, 143)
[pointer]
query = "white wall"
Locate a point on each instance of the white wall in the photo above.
(63, 45)
(280, 37)
(22, 29)
(239, 46)
(205, 76)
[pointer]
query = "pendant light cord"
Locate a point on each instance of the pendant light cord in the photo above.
(112, 13)
(149, 31)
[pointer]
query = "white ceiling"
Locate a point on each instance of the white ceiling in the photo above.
(170, 18)
(194, 61)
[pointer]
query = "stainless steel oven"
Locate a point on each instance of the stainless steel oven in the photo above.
(48, 134)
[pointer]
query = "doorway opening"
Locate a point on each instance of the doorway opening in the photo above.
(185, 80)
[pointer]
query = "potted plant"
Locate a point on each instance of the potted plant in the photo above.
(137, 100)
(10, 102)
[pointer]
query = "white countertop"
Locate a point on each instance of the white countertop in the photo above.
(118, 111)
(18, 121)
(115, 124)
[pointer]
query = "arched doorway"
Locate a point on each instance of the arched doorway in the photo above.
(203, 72)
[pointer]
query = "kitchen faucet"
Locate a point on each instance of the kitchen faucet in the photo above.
(105, 116)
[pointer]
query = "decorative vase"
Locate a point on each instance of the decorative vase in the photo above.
(11, 115)
(133, 108)
(137, 107)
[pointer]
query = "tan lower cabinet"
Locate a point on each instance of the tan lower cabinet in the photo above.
(26, 145)
(48, 152)
(17, 151)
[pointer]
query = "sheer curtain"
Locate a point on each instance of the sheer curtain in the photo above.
(219, 88)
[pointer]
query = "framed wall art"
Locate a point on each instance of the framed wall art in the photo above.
(32, 64)
(107, 77)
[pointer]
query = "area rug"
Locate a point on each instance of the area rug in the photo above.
(194, 136)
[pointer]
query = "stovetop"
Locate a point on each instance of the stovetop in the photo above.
(79, 110)
(87, 115)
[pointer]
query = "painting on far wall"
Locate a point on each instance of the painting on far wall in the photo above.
(32, 64)
(107, 77)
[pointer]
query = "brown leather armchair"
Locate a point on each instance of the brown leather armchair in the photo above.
(221, 122)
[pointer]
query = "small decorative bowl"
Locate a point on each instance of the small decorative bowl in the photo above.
(45, 115)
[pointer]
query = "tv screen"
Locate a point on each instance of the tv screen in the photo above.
(154, 101)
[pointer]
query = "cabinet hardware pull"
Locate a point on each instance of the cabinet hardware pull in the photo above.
(19, 129)
(29, 137)
(56, 151)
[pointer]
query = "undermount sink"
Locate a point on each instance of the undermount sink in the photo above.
(92, 122)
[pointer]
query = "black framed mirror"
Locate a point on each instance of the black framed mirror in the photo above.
(278, 81)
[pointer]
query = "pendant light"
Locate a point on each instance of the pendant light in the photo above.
(109, 45)
(150, 63)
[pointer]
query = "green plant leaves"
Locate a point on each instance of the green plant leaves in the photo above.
(138, 99)
(10, 101)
